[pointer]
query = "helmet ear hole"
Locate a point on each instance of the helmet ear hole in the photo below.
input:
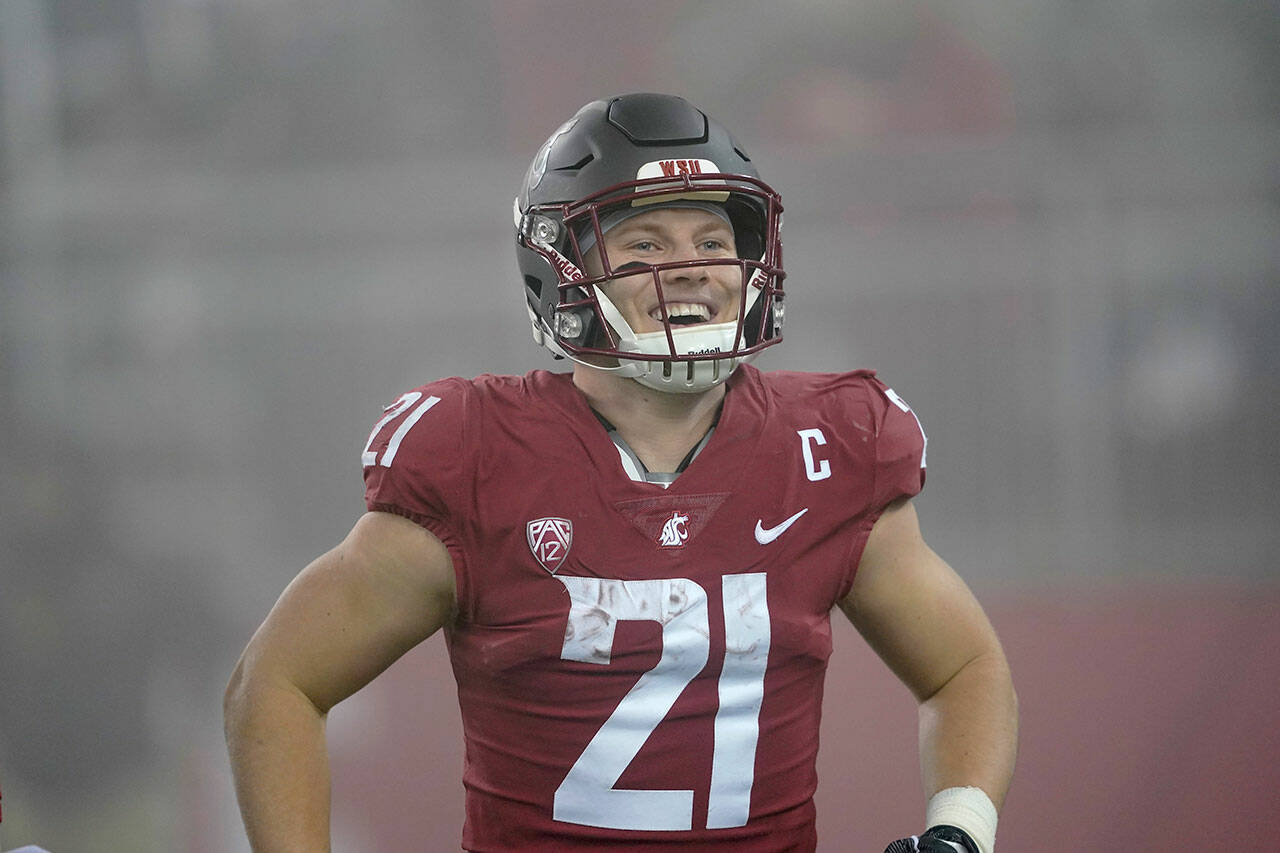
(534, 284)
(749, 226)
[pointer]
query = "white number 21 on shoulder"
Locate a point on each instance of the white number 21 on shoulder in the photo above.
(370, 456)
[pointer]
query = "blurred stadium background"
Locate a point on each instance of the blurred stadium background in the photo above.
(230, 230)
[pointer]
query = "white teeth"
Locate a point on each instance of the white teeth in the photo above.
(683, 309)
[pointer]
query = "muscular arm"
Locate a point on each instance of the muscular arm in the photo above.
(343, 620)
(921, 619)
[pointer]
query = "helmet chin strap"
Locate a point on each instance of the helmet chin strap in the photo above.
(544, 337)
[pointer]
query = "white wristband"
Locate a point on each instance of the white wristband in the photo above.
(969, 809)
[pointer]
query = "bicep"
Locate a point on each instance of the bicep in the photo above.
(912, 608)
(356, 609)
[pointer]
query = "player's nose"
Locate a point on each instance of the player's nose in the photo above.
(685, 274)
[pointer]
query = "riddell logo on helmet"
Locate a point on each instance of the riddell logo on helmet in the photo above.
(707, 351)
(566, 268)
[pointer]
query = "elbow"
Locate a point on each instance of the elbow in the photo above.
(989, 669)
(257, 693)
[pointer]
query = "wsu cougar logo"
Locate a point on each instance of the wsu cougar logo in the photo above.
(674, 532)
(549, 540)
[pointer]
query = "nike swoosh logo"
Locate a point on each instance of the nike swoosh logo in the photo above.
(765, 535)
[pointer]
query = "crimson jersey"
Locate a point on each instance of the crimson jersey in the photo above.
(639, 665)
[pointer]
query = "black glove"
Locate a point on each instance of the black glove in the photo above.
(936, 839)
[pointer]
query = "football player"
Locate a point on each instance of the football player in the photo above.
(634, 562)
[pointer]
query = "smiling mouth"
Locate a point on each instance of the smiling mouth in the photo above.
(683, 313)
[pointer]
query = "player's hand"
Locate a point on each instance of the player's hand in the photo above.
(936, 839)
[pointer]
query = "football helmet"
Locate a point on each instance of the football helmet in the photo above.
(617, 157)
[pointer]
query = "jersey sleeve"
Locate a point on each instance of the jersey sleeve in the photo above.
(417, 462)
(900, 448)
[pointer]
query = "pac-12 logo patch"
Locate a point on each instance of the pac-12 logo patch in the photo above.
(549, 540)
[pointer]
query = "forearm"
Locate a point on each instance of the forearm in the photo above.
(969, 730)
(279, 759)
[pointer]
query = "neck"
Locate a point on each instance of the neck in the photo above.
(661, 428)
